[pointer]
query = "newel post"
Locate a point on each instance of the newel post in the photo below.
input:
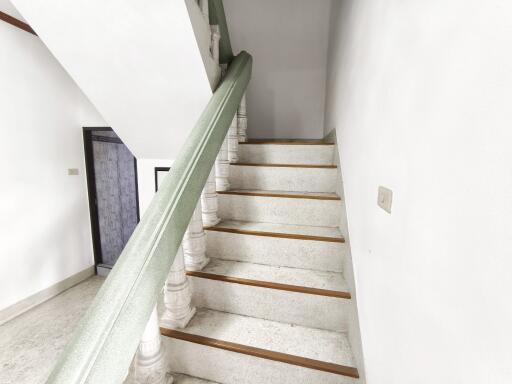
(177, 296)
(149, 365)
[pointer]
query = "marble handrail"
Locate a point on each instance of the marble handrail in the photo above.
(107, 338)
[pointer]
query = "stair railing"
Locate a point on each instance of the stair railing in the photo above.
(122, 321)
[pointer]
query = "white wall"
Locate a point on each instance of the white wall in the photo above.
(138, 62)
(44, 215)
(420, 96)
(288, 39)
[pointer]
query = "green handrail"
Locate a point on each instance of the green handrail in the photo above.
(107, 338)
(218, 17)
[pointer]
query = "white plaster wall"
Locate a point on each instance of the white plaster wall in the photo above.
(288, 39)
(7, 7)
(138, 62)
(44, 215)
(419, 92)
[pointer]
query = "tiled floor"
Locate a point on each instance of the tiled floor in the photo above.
(31, 343)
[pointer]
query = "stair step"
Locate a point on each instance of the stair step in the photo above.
(184, 379)
(296, 246)
(276, 165)
(283, 294)
(264, 351)
(273, 276)
(288, 231)
(288, 208)
(283, 177)
(288, 142)
(284, 194)
(284, 153)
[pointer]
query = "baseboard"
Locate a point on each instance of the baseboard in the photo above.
(30, 302)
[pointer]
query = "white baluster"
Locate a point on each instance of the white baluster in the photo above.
(194, 242)
(177, 296)
(203, 4)
(233, 141)
(215, 43)
(222, 167)
(242, 120)
(149, 366)
(209, 201)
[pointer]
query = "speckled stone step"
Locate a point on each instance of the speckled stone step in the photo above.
(269, 206)
(280, 153)
(289, 295)
(234, 349)
(296, 246)
(283, 177)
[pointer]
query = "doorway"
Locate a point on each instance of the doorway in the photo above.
(113, 195)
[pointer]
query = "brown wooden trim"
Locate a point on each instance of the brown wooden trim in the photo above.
(283, 195)
(318, 365)
(294, 236)
(16, 23)
(268, 284)
(286, 165)
(286, 142)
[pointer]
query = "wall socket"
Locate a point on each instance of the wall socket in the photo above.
(73, 172)
(385, 199)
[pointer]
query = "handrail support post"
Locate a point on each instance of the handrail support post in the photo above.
(194, 242)
(209, 202)
(149, 366)
(242, 120)
(177, 296)
(233, 141)
(222, 167)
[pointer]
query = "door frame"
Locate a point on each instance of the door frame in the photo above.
(91, 190)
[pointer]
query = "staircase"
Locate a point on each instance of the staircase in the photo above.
(273, 304)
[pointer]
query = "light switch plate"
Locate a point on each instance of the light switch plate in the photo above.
(385, 199)
(73, 172)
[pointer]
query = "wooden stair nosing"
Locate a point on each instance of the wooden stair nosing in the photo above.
(280, 195)
(271, 285)
(319, 365)
(16, 23)
(285, 142)
(293, 236)
(270, 165)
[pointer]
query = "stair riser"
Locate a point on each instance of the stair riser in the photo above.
(305, 254)
(286, 154)
(272, 304)
(234, 368)
(280, 210)
(283, 178)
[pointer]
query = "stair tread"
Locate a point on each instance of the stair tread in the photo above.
(330, 281)
(310, 343)
(289, 194)
(184, 379)
(287, 142)
(276, 165)
(290, 229)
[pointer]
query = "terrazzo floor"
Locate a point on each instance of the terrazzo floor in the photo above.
(31, 343)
